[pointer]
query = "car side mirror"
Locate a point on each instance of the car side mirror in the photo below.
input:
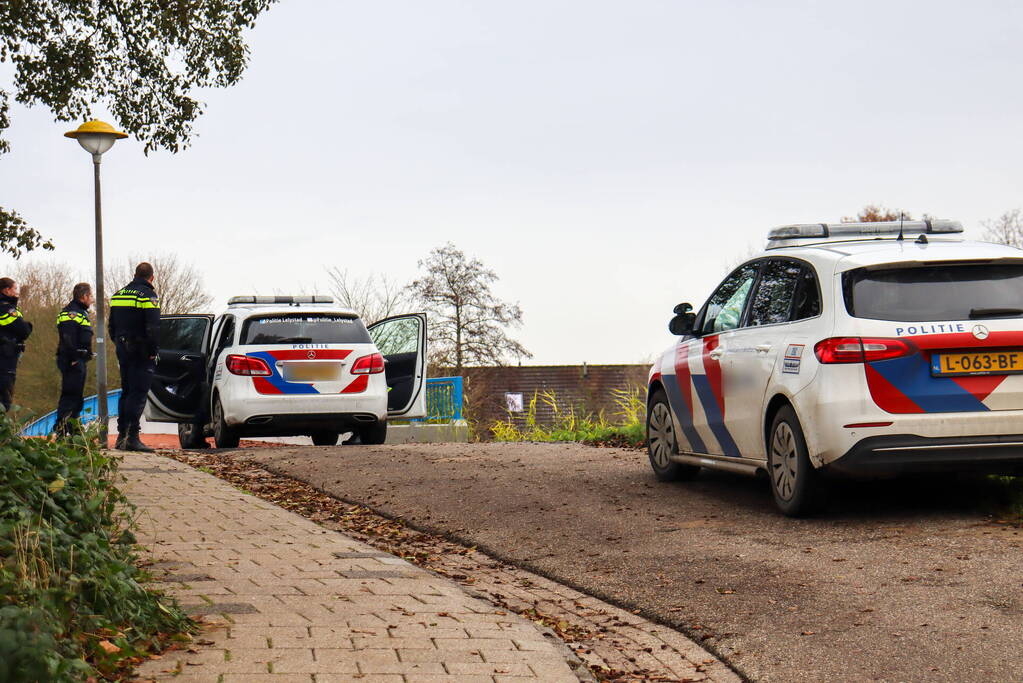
(682, 323)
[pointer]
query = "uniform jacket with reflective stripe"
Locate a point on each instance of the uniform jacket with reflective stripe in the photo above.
(14, 329)
(135, 315)
(74, 332)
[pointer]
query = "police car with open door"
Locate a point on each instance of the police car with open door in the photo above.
(856, 349)
(287, 366)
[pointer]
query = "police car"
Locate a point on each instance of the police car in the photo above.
(856, 349)
(287, 366)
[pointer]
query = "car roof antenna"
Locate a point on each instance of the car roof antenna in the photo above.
(901, 236)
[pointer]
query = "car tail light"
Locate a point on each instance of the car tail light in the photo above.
(247, 365)
(368, 365)
(861, 350)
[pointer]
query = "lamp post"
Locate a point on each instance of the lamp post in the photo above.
(96, 137)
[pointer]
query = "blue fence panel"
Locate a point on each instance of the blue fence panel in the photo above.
(444, 398)
(45, 424)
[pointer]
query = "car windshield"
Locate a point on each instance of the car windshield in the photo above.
(304, 328)
(945, 291)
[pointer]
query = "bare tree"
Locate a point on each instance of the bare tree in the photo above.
(873, 213)
(178, 284)
(374, 297)
(468, 323)
(1006, 229)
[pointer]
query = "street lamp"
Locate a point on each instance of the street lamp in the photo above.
(96, 137)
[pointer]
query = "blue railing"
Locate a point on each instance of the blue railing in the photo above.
(45, 424)
(443, 402)
(444, 398)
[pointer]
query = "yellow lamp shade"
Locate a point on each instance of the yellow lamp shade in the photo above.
(93, 127)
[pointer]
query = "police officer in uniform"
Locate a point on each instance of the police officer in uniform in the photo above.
(135, 329)
(14, 330)
(74, 350)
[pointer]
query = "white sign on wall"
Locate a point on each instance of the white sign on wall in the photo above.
(514, 401)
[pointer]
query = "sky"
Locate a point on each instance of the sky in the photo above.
(606, 159)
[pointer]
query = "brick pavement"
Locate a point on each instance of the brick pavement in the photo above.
(292, 601)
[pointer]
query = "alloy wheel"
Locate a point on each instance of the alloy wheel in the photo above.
(661, 436)
(783, 461)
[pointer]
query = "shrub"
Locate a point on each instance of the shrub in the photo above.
(72, 601)
(629, 429)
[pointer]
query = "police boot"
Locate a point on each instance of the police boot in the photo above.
(133, 443)
(121, 438)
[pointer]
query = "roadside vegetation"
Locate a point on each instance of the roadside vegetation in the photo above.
(625, 427)
(73, 602)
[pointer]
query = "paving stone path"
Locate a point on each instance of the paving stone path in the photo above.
(292, 601)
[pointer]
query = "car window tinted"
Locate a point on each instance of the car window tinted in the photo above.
(304, 328)
(935, 292)
(724, 308)
(775, 293)
(226, 335)
(183, 334)
(808, 295)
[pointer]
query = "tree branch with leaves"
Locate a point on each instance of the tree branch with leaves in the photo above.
(140, 60)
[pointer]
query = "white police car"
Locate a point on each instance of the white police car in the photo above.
(287, 366)
(858, 349)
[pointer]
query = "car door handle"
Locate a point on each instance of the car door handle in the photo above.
(716, 354)
(189, 359)
(762, 348)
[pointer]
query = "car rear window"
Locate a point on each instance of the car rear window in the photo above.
(304, 328)
(935, 292)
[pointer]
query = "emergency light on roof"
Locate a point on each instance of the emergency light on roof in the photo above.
(788, 235)
(315, 299)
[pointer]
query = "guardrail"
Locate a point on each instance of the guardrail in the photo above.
(45, 424)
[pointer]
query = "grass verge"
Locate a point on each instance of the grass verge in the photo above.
(625, 429)
(73, 602)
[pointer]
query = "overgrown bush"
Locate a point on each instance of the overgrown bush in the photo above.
(627, 428)
(72, 599)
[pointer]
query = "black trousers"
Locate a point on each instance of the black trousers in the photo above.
(136, 378)
(72, 389)
(6, 389)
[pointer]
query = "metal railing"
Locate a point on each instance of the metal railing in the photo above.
(443, 402)
(45, 424)
(444, 398)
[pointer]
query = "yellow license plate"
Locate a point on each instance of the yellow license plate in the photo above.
(977, 363)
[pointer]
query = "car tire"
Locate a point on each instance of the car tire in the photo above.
(661, 442)
(799, 489)
(374, 434)
(324, 438)
(223, 435)
(191, 435)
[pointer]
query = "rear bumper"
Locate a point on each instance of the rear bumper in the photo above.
(305, 424)
(897, 453)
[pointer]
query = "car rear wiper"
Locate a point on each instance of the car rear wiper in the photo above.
(306, 340)
(994, 312)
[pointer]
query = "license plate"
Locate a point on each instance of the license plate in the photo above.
(307, 371)
(978, 363)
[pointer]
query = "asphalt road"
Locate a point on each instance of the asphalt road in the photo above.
(905, 580)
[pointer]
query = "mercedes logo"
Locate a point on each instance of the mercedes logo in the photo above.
(980, 332)
(312, 354)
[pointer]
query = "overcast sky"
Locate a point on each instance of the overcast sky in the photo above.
(606, 159)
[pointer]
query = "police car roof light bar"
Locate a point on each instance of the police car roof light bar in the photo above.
(786, 235)
(289, 300)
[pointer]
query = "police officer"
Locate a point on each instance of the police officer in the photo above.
(74, 349)
(135, 329)
(14, 330)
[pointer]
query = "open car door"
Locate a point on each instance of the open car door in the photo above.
(401, 340)
(179, 381)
